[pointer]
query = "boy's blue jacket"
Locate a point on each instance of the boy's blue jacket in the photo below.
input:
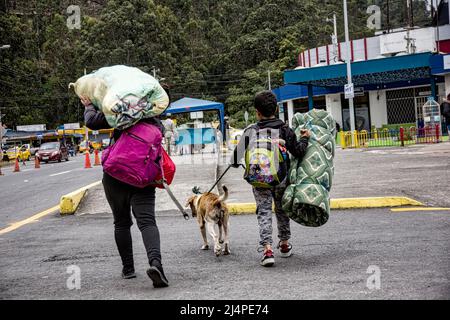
(296, 147)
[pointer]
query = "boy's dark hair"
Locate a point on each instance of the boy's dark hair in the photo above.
(266, 103)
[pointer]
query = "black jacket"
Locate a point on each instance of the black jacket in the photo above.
(296, 147)
(445, 111)
(95, 120)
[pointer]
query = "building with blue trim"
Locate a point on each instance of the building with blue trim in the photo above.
(391, 85)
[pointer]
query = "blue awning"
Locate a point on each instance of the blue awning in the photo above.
(187, 105)
(378, 71)
(440, 64)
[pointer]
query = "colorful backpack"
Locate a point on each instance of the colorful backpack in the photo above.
(265, 159)
(135, 158)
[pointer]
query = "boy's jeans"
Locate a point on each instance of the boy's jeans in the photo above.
(263, 197)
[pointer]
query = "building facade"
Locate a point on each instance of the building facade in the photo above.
(394, 74)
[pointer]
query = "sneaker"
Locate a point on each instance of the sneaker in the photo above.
(268, 259)
(156, 273)
(285, 250)
(128, 273)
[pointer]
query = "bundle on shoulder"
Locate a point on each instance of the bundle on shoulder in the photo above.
(124, 94)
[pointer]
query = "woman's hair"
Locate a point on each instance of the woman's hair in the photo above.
(266, 103)
(448, 97)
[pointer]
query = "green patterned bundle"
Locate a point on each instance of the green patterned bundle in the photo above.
(307, 199)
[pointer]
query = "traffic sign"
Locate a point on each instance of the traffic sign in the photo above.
(349, 91)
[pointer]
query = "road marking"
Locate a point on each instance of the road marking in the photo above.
(57, 174)
(419, 209)
(34, 218)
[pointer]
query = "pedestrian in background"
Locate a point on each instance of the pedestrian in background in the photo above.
(121, 197)
(445, 111)
(170, 133)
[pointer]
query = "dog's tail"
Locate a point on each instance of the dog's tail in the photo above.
(224, 195)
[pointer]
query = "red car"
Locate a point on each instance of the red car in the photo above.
(52, 151)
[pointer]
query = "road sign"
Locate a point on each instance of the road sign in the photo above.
(71, 126)
(197, 115)
(349, 90)
(95, 132)
(32, 128)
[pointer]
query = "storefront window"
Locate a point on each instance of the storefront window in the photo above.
(362, 113)
(302, 105)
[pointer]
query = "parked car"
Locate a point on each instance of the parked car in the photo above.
(21, 153)
(52, 151)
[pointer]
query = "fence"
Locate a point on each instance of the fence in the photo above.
(390, 137)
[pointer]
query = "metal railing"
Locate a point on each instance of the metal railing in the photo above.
(390, 137)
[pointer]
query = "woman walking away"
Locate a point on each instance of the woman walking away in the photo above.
(121, 197)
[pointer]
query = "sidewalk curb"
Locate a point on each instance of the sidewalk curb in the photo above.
(344, 203)
(70, 202)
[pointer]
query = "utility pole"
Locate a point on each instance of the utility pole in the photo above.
(410, 42)
(154, 70)
(334, 37)
(388, 16)
(270, 84)
(438, 40)
(349, 72)
(3, 47)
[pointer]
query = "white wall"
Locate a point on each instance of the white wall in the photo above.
(378, 108)
(290, 111)
(334, 106)
(447, 85)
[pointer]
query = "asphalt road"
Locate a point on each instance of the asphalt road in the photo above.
(30, 191)
(410, 250)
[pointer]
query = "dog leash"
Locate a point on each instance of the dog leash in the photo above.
(223, 174)
(171, 195)
(174, 199)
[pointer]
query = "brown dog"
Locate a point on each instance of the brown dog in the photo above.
(211, 209)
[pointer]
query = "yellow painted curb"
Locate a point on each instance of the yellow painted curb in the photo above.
(241, 208)
(344, 203)
(373, 202)
(70, 202)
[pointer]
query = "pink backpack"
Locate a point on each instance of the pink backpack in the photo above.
(135, 157)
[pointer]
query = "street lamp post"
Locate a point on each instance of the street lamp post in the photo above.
(3, 47)
(349, 73)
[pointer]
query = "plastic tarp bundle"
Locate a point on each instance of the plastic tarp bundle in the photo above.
(307, 199)
(124, 94)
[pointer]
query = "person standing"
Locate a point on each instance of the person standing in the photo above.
(445, 111)
(121, 197)
(170, 133)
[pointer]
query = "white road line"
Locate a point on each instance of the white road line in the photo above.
(57, 174)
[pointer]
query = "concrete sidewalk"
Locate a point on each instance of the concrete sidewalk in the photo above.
(192, 170)
(420, 172)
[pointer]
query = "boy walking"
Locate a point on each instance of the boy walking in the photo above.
(264, 146)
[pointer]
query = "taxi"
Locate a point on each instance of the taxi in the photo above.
(21, 153)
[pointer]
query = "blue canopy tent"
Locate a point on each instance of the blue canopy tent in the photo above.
(200, 136)
(187, 105)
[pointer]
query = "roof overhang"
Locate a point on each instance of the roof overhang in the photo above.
(378, 71)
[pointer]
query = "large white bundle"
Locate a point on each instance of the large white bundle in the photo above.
(124, 94)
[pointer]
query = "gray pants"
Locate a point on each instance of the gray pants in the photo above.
(264, 213)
